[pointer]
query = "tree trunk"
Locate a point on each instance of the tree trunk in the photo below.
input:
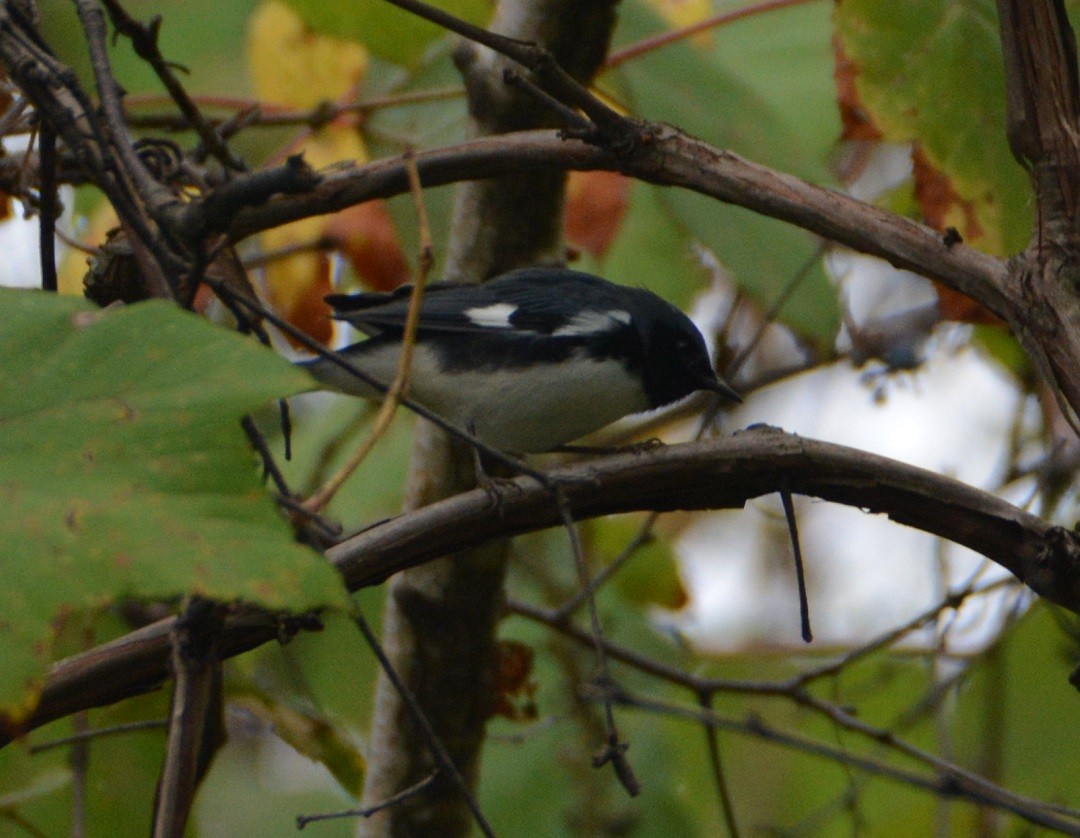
(440, 621)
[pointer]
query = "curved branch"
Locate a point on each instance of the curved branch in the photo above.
(725, 474)
(665, 156)
(714, 474)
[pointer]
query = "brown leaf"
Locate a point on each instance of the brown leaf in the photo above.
(595, 206)
(943, 209)
(513, 689)
(365, 235)
(856, 122)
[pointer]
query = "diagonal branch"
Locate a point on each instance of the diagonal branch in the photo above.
(669, 158)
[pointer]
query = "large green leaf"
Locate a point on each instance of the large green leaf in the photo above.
(734, 98)
(211, 56)
(931, 71)
(652, 250)
(124, 472)
(389, 32)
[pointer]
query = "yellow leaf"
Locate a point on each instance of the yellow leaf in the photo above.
(292, 66)
(73, 268)
(683, 13)
(295, 67)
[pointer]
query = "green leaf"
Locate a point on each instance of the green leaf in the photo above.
(651, 250)
(650, 576)
(312, 734)
(389, 32)
(425, 124)
(762, 116)
(124, 472)
(932, 72)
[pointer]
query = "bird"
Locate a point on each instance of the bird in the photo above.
(530, 360)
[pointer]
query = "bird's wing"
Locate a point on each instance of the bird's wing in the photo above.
(386, 313)
(528, 301)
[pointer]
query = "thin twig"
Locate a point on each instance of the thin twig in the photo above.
(774, 310)
(723, 792)
(400, 386)
(952, 601)
(794, 690)
(642, 537)
(368, 811)
(79, 760)
(270, 468)
(264, 114)
(614, 750)
(675, 35)
(47, 203)
(431, 739)
(949, 780)
(800, 571)
(568, 116)
(265, 257)
(144, 38)
(608, 122)
(109, 91)
(98, 733)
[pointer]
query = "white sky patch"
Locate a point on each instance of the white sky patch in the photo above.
(21, 266)
(866, 574)
(591, 322)
(495, 316)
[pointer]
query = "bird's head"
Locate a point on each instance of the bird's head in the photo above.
(676, 358)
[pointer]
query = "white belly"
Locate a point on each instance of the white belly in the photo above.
(537, 409)
(525, 410)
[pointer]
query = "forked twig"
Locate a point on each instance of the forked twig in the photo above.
(368, 811)
(614, 749)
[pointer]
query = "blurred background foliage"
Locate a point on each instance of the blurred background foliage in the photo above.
(803, 89)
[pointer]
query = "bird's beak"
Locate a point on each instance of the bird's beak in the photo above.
(718, 385)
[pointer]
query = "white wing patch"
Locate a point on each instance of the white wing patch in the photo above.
(495, 316)
(592, 322)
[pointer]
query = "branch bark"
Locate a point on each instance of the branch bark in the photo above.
(725, 474)
(714, 474)
(1043, 112)
(669, 157)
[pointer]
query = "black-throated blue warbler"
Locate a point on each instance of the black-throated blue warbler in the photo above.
(530, 360)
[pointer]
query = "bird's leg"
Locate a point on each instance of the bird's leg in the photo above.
(492, 476)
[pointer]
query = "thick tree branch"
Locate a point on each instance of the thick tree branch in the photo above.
(714, 474)
(1043, 99)
(668, 157)
(725, 474)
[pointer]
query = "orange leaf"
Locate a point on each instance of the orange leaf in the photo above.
(365, 235)
(942, 208)
(595, 205)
